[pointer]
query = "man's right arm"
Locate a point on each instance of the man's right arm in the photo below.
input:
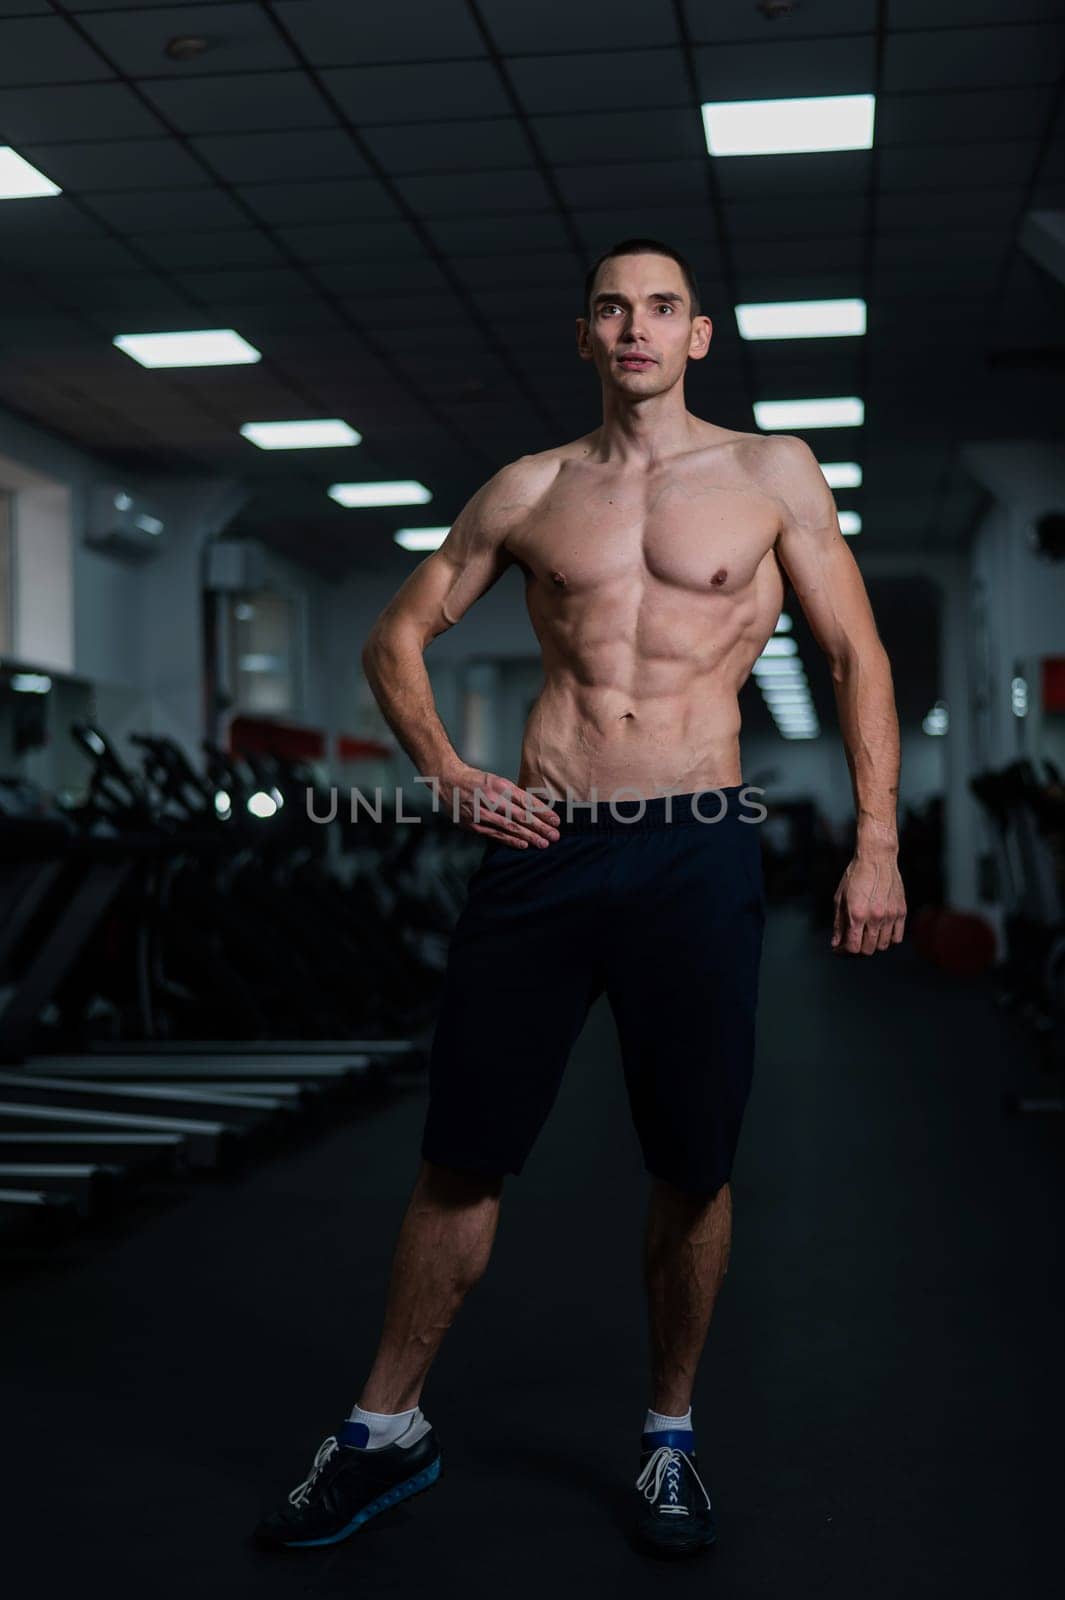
(439, 592)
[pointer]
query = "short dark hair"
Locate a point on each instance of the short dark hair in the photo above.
(643, 247)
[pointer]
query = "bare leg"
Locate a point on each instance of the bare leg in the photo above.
(443, 1249)
(686, 1257)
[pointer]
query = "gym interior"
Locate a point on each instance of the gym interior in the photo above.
(284, 283)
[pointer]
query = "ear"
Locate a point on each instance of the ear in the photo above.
(702, 333)
(584, 348)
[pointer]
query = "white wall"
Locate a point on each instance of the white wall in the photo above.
(132, 631)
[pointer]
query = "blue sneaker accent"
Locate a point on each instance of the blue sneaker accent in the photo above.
(355, 1434)
(348, 1484)
(676, 1438)
(402, 1491)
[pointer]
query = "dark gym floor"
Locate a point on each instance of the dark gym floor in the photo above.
(879, 1405)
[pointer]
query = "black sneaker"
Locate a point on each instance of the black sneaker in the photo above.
(347, 1485)
(675, 1517)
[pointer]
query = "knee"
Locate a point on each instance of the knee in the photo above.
(450, 1187)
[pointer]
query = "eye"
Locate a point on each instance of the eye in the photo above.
(665, 307)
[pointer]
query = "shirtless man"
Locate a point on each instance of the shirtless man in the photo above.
(654, 552)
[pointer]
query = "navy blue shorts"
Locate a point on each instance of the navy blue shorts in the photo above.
(666, 917)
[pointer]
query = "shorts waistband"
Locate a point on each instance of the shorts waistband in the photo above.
(699, 809)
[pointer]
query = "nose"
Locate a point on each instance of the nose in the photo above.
(634, 331)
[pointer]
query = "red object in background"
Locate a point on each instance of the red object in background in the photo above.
(259, 736)
(1054, 683)
(959, 942)
(351, 749)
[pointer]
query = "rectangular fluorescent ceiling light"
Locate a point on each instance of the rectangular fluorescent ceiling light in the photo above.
(850, 522)
(799, 733)
(421, 538)
(778, 667)
(404, 492)
(20, 181)
(320, 435)
(784, 695)
(777, 646)
(204, 347)
(801, 319)
(789, 127)
(842, 474)
(840, 411)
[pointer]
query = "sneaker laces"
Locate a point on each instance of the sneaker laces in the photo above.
(326, 1450)
(664, 1467)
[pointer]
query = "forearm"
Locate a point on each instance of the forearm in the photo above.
(395, 670)
(869, 723)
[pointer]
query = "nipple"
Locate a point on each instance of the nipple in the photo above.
(559, 579)
(719, 577)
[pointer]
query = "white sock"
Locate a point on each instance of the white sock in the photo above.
(657, 1422)
(385, 1427)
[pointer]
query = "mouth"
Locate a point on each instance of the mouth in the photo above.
(636, 363)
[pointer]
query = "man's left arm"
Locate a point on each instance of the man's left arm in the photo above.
(870, 905)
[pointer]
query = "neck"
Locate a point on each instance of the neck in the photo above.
(644, 433)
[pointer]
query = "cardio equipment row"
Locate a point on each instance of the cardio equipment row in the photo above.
(192, 967)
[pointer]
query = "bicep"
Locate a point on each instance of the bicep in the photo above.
(818, 562)
(444, 586)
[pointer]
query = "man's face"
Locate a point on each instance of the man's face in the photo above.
(641, 333)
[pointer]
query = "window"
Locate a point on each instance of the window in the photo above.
(263, 635)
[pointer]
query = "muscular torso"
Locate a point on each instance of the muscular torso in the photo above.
(651, 593)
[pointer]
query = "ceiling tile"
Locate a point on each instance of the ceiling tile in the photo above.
(241, 39)
(499, 234)
(122, 164)
(77, 251)
(241, 103)
(125, 295)
(247, 286)
(689, 229)
(352, 241)
(934, 209)
(626, 79)
(582, 24)
(526, 267)
(650, 183)
(420, 92)
(460, 193)
(47, 217)
(766, 71)
(844, 253)
(796, 216)
(967, 13)
(963, 115)
(79, 111)
(331, 32)
(976, 166)
(709, 22)
(377, 311)
(222, 247)
(245, 157)
(321, 201)
(976, 57)
(615, 136)
(164, 210)
(839, 172)
(382, 274)
(450, 146)
(45, 50)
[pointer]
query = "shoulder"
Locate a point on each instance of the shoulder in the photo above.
(785, 467)
(517, 487)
